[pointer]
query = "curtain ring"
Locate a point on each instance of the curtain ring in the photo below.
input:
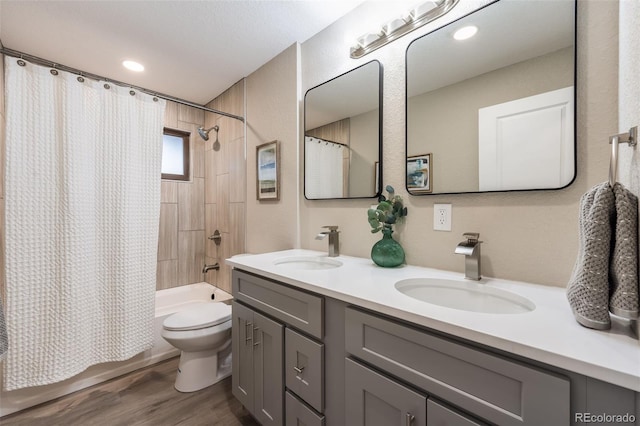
(106, 86)
(22, 63)
(81, 79)
(53, 72)
(155, 99)
(132, 93)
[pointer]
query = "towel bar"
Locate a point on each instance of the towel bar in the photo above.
(631, 138)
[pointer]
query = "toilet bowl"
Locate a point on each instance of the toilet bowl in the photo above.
(203, 334)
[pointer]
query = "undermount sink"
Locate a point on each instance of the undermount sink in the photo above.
(465, 296)
(307, 262)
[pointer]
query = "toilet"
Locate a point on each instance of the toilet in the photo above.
(203, 334)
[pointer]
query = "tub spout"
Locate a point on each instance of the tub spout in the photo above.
(207, 268)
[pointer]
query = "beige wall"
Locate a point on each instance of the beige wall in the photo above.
(444, 122)
(272, 114)
(629, 92)
(530, 236)
(225, 176)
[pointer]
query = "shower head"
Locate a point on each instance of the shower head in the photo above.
(205, 133)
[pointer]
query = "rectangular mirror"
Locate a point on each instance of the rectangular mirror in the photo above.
(493, 112)
(343, 136)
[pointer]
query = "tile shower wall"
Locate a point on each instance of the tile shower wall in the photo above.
(224, 184)
(181, 242)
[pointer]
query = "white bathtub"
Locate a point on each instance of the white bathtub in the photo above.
(167, 302)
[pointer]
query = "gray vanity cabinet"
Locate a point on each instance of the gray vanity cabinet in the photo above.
(440, 415)
(301, 358)
(304, 368)
(376, 400)
(277, 344)
(492, 387)
(257, 378)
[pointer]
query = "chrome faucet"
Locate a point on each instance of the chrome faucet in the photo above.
(207, 268)
(471, 251)
(334, 241)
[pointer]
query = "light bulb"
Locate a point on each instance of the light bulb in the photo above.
(133, 66)
(465, 32)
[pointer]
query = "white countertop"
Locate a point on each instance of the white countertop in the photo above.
(549, 334)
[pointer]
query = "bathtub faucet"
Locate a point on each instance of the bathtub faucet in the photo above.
(207, 268)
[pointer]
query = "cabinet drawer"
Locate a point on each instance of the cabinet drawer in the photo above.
(297, 308)
(304, 368)
(372, 399)
(439, 415)
(503, 391)
(297, 413)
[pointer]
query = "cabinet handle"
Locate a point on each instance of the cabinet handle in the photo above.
(248, 324)
(409, 419)
(298, 369)
(256, 342)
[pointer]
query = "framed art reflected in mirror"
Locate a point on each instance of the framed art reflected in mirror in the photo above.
(420, 174)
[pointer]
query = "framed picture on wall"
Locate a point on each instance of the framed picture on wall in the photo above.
(420, 174)
(268, 171)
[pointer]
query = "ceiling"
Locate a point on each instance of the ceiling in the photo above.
(509, 31)
(193, 50)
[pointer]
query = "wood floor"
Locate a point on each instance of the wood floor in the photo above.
(144, 397)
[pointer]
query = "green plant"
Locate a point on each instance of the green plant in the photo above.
(389, 211)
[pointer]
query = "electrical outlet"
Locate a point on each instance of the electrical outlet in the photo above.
(442, 217)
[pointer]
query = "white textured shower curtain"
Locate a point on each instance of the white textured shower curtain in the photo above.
(82, 212)
(324, 169)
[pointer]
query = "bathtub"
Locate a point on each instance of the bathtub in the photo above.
(167, 302)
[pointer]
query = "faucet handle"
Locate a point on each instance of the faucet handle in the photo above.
(331, 228)
(472, 237)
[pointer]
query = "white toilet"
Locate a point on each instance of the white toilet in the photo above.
(203, 334)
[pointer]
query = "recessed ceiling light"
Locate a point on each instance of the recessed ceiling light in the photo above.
(133, 66)
(465, 32)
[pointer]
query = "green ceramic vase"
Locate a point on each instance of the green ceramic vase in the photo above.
(387, 252)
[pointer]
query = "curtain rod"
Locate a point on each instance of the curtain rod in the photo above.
(48, 63)
(320, 140)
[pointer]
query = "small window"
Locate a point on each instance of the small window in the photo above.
(175, 155)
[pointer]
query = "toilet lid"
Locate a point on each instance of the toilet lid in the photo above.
(204, 315)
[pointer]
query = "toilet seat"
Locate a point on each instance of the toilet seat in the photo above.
(208, 314)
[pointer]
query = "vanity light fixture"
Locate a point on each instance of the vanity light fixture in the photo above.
(133, 66)
(396, 28)
(465, 32)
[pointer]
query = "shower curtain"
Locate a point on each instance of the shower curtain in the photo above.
(324, 170)
(82, 213)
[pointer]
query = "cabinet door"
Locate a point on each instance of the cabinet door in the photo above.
(298, 414)
(304, 368)
(375, 400)
(242, 367)
(268, 337)
(439, 415)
